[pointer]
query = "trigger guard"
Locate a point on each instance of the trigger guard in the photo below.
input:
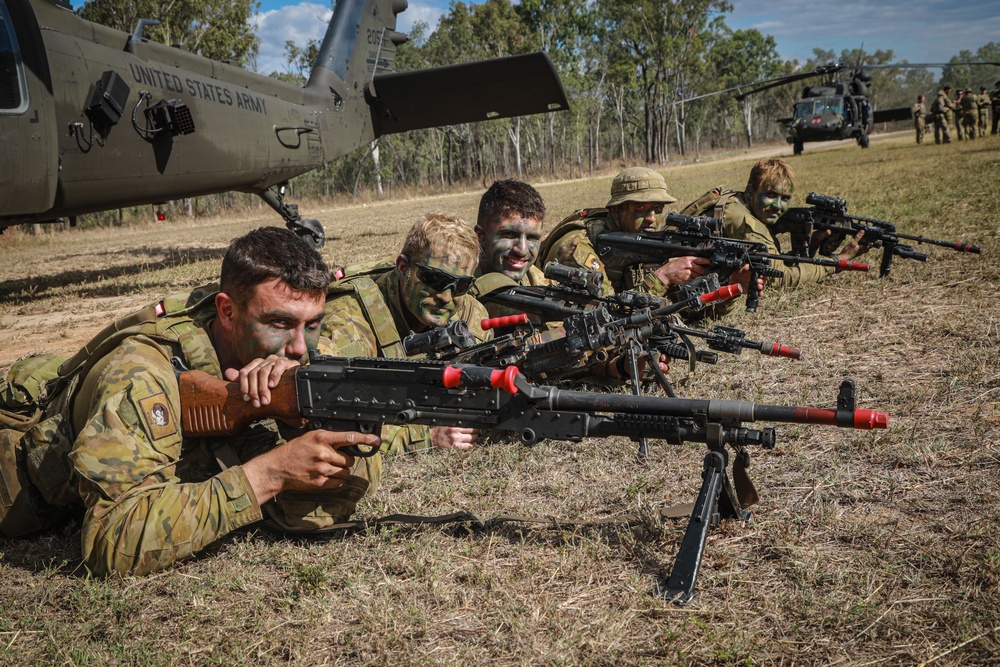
(357, 452)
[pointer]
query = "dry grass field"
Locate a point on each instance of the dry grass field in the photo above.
(868, 548)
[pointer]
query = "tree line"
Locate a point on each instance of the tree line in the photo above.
(625, 67)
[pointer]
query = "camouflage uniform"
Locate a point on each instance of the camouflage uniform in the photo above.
(941, 109)
(572, 242)
(152, 496)
(956, 106)
(918, 120)
(970, 114)
(364, 318)
(984, 111)
(486, 283)
(995, 103)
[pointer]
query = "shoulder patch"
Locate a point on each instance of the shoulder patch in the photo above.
(155, 413)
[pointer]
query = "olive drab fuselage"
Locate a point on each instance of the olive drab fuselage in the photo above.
(92, 118)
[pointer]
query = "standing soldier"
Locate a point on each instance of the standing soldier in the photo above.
(941, 109)
(956, 106)
(970, 113)
(984, 111)
(995, 103)
(918, 118)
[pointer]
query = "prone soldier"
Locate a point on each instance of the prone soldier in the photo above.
(754, 215)
(638, 195)
(369, 313)
(509, 229)
(151, 495)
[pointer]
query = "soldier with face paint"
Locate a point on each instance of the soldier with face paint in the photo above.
(752, 215)
(638, 197)
(509, 227)
(369, 313)
(152, 496)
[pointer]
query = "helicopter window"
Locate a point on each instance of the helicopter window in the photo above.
(804, 108)
(13, 96)
(835, 105)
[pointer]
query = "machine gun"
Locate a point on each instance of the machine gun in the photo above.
(696, 237)
(830, 213)
(592, 322)
(591, 336)
(362, 394)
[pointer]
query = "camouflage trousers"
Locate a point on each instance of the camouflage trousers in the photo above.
(969, 122)
(941, 131)
(918, 125)
(984, 121)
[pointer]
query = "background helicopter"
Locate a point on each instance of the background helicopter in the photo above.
(93, 119)
(834, 109)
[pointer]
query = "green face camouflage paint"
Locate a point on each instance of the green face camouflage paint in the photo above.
(276, 320)
(640, 217)
(510, 247)
(427, 305)
(770, 200)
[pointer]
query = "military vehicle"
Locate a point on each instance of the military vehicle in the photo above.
(834, 109)
(94, 119)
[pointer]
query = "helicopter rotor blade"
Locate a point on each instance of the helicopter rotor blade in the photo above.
(830, 68)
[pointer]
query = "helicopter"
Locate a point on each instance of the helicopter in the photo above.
(834, 109)
(93, 118)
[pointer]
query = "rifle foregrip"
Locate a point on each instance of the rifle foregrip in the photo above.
(849, 265)
(505, 321)
(211, 407)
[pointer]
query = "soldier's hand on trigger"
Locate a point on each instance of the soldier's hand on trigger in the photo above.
(682, 269)
(309, 462)
(817, 238)
(453, 437)
(260, 376)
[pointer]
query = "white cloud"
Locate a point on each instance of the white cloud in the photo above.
(298, 23)
(308, 20)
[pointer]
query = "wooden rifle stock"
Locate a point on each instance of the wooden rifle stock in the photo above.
(212, 407)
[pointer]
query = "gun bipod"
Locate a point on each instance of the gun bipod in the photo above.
(716, 500)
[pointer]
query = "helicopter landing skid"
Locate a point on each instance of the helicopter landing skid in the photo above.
(309, 229)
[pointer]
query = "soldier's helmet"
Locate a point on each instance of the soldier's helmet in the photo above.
(639, 184)
(968, 91)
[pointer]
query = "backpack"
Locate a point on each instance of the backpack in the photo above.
(36, 398)
(712, 203)
(359, 279)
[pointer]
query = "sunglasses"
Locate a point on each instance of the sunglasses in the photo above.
(442, 281)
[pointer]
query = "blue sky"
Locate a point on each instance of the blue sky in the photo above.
(918, 30)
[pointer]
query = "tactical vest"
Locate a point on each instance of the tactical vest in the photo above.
(36, 401)
(712, 203)
(594, 221)
(359, 280)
